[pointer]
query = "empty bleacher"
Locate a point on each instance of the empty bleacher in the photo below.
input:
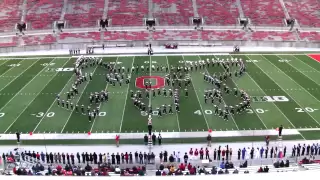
(38, 39)
(310, 36)
(79, 37)
(10, 14)
(305, 11)
(127, 12)
(8, 41)
(84, 13)
(218, 12)
(228, 35)
(41, 14)
(173, 12)
(262, 12)
(175, 35)
(125, 35)
(273, 36)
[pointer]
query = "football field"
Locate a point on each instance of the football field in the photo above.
(284, 90)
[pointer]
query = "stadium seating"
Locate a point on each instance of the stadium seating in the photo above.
(38, 39)
(218, 12)
(84, 36)
(175, 35)
(84, 13)
(273, 36)
(310, 36)
(263, 12)
(224, 35)
(10, 14)
(305, 11)
(126, 35)
(8, 41)
(127, 12)
(43, 13)
(173, 12)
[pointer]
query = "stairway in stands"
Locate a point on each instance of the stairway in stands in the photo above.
(241, 13)
(64, 10)
(195, 8)
(23, 11)
(105, 9)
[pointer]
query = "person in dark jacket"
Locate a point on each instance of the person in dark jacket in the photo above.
(51, 157)
(95, 158)
(140, 158)
(100, 158)
(91, 158)
(113, 158)
(118, 158)
(130, 158)
(47, 157)
(78, 157)
(63, 158)
(83, 158)
(72, 158)
(68, 158)
(136, 157)
(154, 137)
(165, 156)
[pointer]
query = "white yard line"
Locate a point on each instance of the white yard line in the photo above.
(32, 99)
(17, 75)
(266, 94)
(197, 97)
(4, 61)
(302, 71)
(53, 100)
(24, 85)
(78, 100)
(173, 89)
(105, 90)
(286, 92)
(291, 79)
(253, 110)
(125, 102)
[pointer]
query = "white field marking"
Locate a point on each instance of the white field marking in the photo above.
(292, 79)
(24, 85)
(17, 75)
(31, 100)
(223, 100)
(172, 89)
(287, 93)
(78, 100)
(125, 102)
(197, 97)
(126, 55)
(2, 63)
(304, 71)
(53, 100)
(115, 64)
(266, 94)
(253, 110)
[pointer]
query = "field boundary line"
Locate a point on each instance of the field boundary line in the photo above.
(15, 76)
(292, 79)
(125, 102)
(238, 88)
(54, 98)
(24, 85)
(33, 98)
(285, 91)
(303, 72)
(85, 87)
(306, 63)
(177, 117)
(196, 95)
(266, 94)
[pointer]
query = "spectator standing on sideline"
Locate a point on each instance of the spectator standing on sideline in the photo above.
(117, 140)
(209, 140)
(159, 139)
(267, 139)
